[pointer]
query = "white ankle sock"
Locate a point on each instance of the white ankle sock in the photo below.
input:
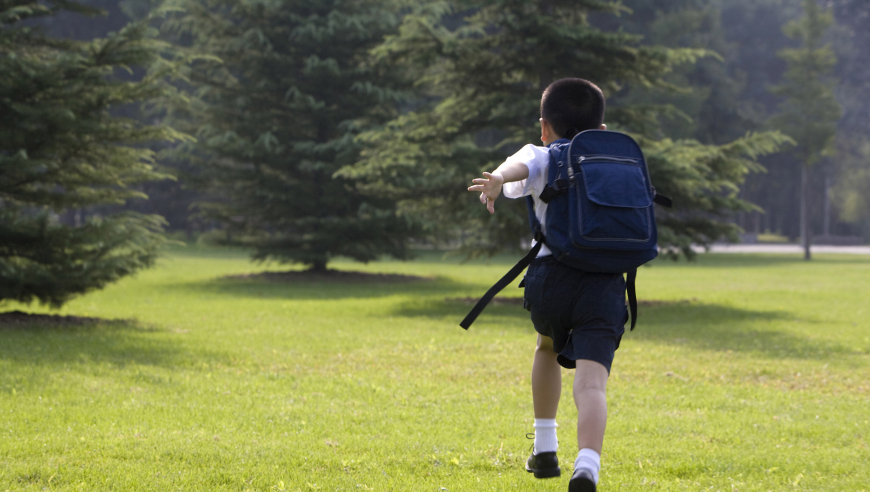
(588, 459)
(545, 436)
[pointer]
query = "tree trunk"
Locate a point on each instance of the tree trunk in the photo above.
(318, 266)
(826, 228)
(805, 222)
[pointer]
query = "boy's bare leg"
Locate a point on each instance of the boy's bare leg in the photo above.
(546, 390)
(546, 379)
(590, 386)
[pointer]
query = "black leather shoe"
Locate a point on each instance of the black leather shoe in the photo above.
(581, 482)
(544, 465)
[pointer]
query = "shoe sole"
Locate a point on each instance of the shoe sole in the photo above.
(581, 484)
(555, 472)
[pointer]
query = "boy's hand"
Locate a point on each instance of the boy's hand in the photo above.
(489, 187)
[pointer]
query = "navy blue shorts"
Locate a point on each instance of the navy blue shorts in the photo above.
(583, 312)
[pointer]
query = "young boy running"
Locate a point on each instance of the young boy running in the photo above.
(579, 316)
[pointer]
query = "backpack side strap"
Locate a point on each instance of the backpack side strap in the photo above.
(630, 278)
(663, 200)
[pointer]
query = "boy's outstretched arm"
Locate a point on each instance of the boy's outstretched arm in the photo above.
(490, 184)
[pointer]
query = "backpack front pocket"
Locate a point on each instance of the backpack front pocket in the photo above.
(611, 203)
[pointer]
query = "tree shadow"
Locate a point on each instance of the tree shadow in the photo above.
(261, 287)
(710, 327)
(115, 343)
(505, 312)
(716, 327)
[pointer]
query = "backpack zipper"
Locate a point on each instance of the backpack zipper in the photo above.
(626, 160)
(598, 157)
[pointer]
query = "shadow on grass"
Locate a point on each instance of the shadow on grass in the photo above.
(454, 307)
(723, 328)
(261, 288)
(113, 342)
(687, 323)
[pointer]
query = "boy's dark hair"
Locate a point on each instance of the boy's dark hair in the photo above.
(571, 106)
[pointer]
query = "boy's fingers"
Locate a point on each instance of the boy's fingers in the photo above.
(490, 205)
(483, 198)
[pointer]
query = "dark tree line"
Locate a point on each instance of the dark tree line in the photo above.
(310, 130)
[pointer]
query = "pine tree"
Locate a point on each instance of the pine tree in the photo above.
(276, 112)
(62, 149)
(809, 111)
(481, 67)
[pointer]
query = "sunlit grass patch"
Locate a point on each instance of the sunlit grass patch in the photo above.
(746, 372)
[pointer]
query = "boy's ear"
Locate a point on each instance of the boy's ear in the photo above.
(602, 127)
(546, 131)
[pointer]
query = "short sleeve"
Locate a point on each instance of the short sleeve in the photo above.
(536, 159)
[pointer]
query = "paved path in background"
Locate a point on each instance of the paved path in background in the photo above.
(785, 248)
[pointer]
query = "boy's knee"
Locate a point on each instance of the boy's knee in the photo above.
(544, 343)
(590, 375)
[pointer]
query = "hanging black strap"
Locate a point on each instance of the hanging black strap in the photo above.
(513, 273)
(632, 295)
(501, 284)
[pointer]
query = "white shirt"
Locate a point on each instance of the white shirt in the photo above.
(537, 159)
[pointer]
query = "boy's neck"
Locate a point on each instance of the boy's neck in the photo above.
(548, 136)
(551, 140)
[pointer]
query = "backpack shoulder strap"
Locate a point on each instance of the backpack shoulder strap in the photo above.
(557, 177)
(534, 223)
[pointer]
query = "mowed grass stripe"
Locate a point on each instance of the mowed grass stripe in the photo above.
(750, 372)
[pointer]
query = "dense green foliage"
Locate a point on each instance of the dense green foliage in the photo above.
(689, 78)
(749, 373)
(62, 149)
(480, 69)
(276, 112)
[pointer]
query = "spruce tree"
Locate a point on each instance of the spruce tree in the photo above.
(809, 111)
(481, 67)
(62, 149)
(276, 112)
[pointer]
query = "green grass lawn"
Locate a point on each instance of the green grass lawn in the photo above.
(753, 374)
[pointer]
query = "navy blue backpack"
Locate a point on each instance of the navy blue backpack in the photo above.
(600, 212)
